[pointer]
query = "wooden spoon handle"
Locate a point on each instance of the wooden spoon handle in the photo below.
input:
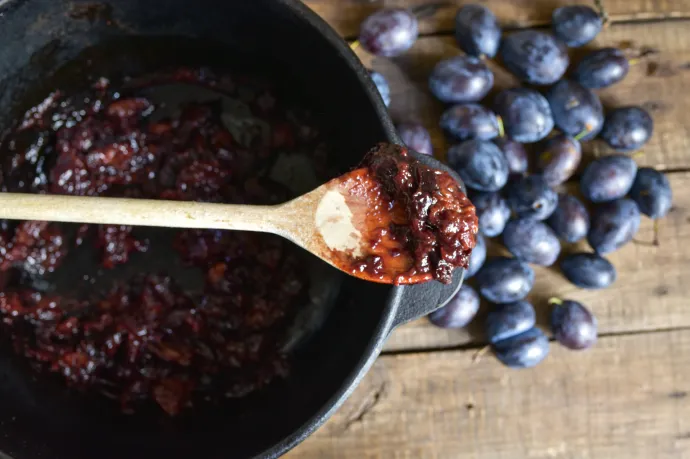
(141, 212)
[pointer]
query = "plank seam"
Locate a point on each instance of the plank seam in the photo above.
(480, 345)
(641, 19)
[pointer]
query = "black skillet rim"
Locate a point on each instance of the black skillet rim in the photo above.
(389, 314)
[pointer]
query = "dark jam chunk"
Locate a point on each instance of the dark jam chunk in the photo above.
(146, 338)
(441, 223)
(36, 247)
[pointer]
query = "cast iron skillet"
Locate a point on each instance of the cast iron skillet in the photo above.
(62, 43)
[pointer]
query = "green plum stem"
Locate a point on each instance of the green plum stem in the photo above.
(602, 12)
(501, 128)
(581, 134)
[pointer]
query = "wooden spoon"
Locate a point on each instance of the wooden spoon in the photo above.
(341, 222)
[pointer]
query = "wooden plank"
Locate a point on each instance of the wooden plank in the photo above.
(625, 398)
(346, 15)
(658, 82)
(651, 292)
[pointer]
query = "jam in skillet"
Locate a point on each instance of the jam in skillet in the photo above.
(147, 339)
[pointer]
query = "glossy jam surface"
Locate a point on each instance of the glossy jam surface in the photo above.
(418, 221)
(147, 338)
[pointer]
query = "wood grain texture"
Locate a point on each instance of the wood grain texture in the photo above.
(625, 398)
(658, 82)
(346, 15)
(651, 291)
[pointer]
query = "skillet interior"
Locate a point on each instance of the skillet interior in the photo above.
(55, 43)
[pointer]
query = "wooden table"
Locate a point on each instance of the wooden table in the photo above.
(627, 397)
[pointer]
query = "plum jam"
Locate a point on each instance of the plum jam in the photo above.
(148, 339)
(437, 223)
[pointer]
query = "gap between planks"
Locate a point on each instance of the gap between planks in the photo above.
(346, 15)
(480, 345)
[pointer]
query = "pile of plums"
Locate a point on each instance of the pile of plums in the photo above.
(518, 191)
